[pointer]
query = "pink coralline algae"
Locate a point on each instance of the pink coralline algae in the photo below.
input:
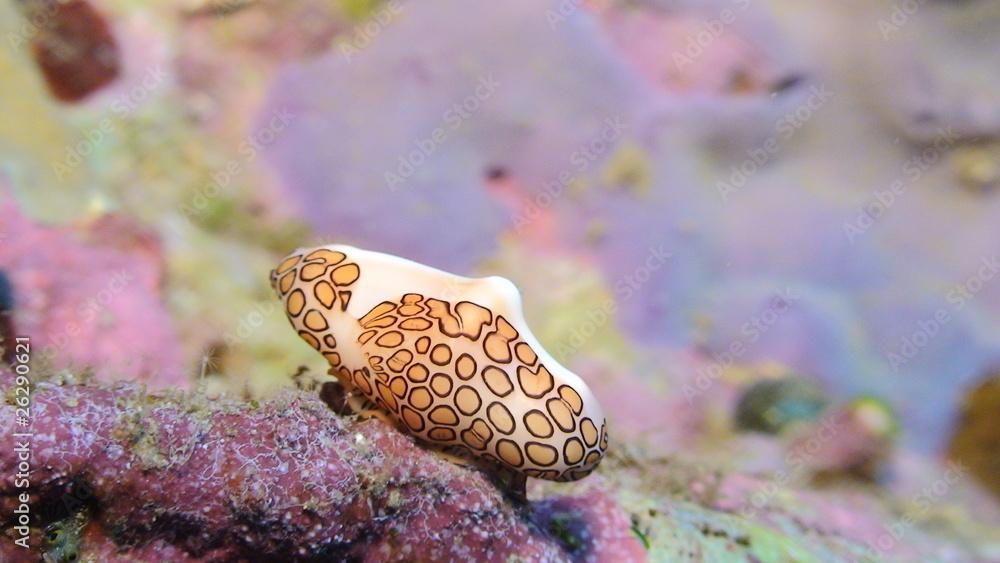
(179, 477)
(89, 296)
(653, 140)
(703, 51)
(639, 410)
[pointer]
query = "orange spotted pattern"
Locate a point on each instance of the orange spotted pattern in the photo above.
(451, 373)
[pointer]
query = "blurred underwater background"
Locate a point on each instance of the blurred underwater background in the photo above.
(742, 223)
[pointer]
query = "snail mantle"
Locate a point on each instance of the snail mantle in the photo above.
(448, 359)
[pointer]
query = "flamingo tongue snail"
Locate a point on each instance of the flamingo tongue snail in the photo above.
(449, 359)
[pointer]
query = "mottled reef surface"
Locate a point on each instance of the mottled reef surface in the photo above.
(122, 474)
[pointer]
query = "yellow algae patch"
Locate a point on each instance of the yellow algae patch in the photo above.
(629, 168)
(31, 129)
